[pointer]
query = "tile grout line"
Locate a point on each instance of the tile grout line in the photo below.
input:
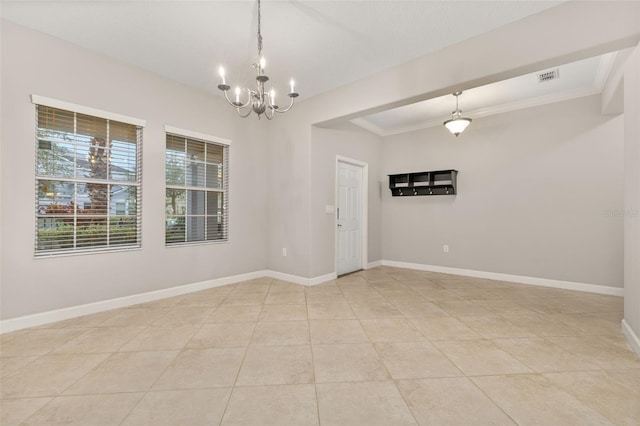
(313, 361)
(179, 351)
(389, 376)
(170, 364)
(244, 356)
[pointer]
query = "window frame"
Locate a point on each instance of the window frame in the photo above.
(75, 181)
(193, 136)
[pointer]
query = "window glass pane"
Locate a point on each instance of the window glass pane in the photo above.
(55, 233)
(82, 148)
(55, 197)
(214, 176)
(92, 198)
(214, 228)
(122, 162)
(195, 202)
(214, 153)
(55, 158)
(214, 203)
(92, 157)
(122, 200)
(195, 228)
(175, 229)
(195, 174)
(195, 150)
(175, 168)
(122, 230)
(176, 202)
(91, 232)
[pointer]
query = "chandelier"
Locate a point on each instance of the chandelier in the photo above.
(457, 123)
(258, 100)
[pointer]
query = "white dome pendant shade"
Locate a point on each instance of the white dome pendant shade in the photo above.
(457, 123)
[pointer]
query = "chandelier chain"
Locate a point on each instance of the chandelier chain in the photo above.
(259, 31)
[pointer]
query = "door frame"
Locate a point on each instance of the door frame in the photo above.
(364, 203)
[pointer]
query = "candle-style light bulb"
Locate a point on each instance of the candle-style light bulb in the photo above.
(263, 63)
(221, 72)
(237, 94)
(293, 85)
(272, 95)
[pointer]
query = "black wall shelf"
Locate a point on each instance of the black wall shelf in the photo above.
(439, 182)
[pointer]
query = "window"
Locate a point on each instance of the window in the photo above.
(87, 182)
(197, 171)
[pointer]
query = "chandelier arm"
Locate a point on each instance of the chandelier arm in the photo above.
(282, 111)
(233, 104)
(243, 115)
(229, 100)
(266, 113)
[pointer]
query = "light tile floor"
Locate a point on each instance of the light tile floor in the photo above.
(385, 346)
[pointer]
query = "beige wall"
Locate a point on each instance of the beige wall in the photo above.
(35, 63)
(539, 190)
(352, 142)
(289, 195)
(632, 192)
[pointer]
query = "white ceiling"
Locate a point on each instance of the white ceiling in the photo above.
(576, 79)
(323, 44)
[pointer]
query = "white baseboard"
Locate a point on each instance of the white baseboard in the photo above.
(56, 315)
(287, 277)
(374, 264)
(302, 280)
(632, 337)
(544, 282)
(322, 279)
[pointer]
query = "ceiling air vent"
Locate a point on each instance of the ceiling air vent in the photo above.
(548, 75)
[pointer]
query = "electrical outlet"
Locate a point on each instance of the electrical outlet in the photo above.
(284, 252)
(445, 248)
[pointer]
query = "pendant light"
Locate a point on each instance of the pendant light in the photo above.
(456, 124)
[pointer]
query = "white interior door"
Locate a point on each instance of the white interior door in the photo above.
(349, 218)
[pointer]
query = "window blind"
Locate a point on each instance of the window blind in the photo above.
(88, 177)
(197, 190)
